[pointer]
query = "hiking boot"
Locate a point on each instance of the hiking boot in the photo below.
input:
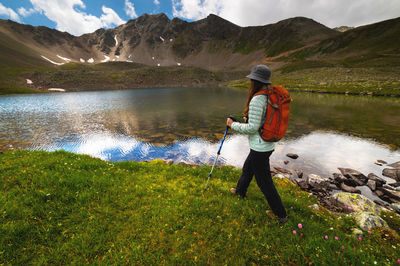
(283, 220)
(273, 216)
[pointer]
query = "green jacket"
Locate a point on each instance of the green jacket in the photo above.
(257, 109)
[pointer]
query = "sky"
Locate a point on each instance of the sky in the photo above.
(84, 16)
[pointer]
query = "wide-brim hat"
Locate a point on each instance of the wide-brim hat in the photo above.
(260, 73)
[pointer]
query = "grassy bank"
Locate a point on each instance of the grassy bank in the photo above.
(367, 81)
(63, 208)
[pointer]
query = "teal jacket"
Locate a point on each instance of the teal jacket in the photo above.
(257, 109)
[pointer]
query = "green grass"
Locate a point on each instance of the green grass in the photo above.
(64, 208)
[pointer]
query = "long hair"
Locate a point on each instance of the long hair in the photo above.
(255, 86)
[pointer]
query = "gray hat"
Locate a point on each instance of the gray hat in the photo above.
(260, 73)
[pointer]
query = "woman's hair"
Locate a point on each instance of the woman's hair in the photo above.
(255, 86)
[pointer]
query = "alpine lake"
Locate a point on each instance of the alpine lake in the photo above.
(327, 131)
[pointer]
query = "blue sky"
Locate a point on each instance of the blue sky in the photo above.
(83, 16)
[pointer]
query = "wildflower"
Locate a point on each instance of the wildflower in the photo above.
(336, 238)
(369, 232)
(301, 234)
(375, 262)
(398, 261)
(360, 238)
(300, 226)
(326, 237)
(342, 247)
(354, 249)
(294, 231)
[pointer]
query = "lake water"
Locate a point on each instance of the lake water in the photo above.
(185, 125)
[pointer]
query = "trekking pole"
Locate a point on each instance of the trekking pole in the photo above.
(218, 153)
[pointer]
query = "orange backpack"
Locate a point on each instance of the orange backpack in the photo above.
(277, 115)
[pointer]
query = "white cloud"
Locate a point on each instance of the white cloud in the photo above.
(261, 12)
(156, 2)
(68, 16)
(130, 9)
(8, 12)
(24, 12)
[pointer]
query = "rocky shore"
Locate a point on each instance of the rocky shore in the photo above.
(350, 181)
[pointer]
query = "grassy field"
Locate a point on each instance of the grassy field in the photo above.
(368, 81)
(64, 208)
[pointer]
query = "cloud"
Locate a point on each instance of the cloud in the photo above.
(130, 9)
(23, 12)
(156, 2)
(8, 12)
(69, 16)
(256, 12)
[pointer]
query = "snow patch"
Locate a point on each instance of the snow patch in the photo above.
(106, 59)
(91, 60)
(55, 63)
(82, 60)
(162, 39)
(64, 58)
(116, 41)
(56, 89)
(28, 81)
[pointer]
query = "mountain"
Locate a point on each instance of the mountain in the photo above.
(155, 40)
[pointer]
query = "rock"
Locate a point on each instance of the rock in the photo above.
(274, 172)
(169, 161)
(395, 165)
(379, 181)
(396, 207)
(378, 163)
(379, 193)
(392, 173)
(354, 174)
(333, 187)
(357, 233)
(371, 184)
(356, 202)
(380, 202)
(292, 155)
(368, 220)
(338, 178)
(349, 189)
(299, 173)
(282, 176)
(397, 184)
(317, 181)
(314, 207)
(302, 183)
(286, 162)
(381, 161)
(393, 194)
(283, 170)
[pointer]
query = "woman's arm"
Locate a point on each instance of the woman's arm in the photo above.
(257, 108)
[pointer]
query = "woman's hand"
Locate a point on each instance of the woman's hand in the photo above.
(229, 122)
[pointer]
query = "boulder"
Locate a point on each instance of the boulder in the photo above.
(285, 162)
(371, 184)
(395, 165)
(396, 207)
(349, 189)
(392, 173)
(379, 193)
(292, 155)
(397, 184)
(393, 194)
(338, 178)
(368, 220)
(355, 175)
(379, 181)
(299, 173)
(302, 183)
(318, 182)
(381, 161)
(356, 202)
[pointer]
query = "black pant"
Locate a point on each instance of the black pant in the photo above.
(257, 163)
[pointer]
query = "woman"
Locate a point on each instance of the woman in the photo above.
(257, 162)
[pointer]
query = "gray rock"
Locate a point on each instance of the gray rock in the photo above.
(368, 220)
(349, 189)
(397, 184)
(379, 181)
(371, 184)
(283, 170)
(392, 173)
(302, 183)
(317, 181)
(393, 194)
(379, 193)
(395, 165)
(338, 178)
(285, 162)
(314, 207)
(354, 174)
(396, 207)
(357, 233)
(381, 161)
(356, 202)
(292, 155)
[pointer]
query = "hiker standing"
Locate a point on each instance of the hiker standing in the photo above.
(257, 162)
